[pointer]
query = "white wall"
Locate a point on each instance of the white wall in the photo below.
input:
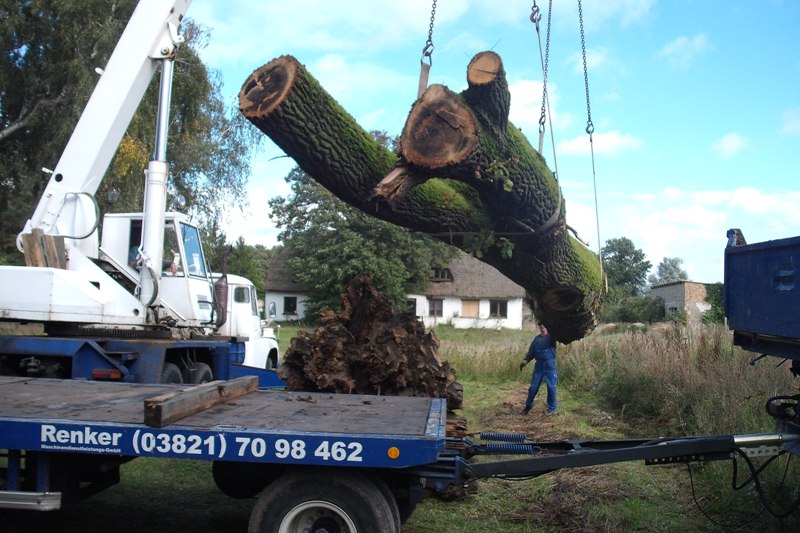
(278, 297)
(452, 314)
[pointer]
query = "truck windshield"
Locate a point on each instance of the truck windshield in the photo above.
(195, 263)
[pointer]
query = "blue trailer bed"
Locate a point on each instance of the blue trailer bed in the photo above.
(103, 418)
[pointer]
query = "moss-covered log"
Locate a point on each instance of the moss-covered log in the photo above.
(464, 174)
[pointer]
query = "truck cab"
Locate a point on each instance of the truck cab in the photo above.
(184, 286)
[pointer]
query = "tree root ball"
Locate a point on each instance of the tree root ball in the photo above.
(367, 348)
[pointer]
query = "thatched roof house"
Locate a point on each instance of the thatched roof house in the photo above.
(468, 293)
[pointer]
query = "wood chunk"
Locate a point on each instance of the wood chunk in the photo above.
(173, 406)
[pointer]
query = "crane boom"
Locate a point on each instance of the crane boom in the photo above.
(151, 35)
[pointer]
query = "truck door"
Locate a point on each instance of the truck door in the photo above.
(246, 322)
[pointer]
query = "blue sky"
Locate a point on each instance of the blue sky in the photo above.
(695, 103)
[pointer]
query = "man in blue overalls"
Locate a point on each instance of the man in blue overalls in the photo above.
(543, 350)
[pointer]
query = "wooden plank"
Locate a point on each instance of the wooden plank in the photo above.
(173, 406)
(54, 254)
(32, 247)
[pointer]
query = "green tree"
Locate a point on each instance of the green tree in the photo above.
(643, 309)
(714, 296)
(215, 244)
(334, 242)
(667, 271)
(251, 262)
(625, 266)
(48, 53)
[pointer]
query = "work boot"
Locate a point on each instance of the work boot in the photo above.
(526, 410)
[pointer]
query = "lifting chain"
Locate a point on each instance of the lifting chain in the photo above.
(590, 131)
(427, 52)
(589, 125)
(536, 17)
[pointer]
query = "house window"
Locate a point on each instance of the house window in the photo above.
(469, 308)
(435, 307)
(411, 305)
(442, 274)
(290, 305)
(498, 308)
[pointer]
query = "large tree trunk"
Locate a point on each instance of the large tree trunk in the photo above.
(464, 174)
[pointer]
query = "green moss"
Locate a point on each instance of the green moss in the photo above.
(377, 157)
(530, 158)
(588, 264)
(449, 195)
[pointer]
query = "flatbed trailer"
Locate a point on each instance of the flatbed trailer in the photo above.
(357, 463)
(65, 439)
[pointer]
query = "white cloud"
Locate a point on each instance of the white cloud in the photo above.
(681, 52)
(601, 13)
(608, 143)
(729, 145)
(791, 122)
(690, 225)
(526, 108)
(596, 59)
(268, 170)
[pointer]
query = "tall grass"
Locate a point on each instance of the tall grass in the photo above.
(488, 356)
(677, 379)
(683, 379)
(668, 380)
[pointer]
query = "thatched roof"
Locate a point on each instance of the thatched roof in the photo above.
(279, 275)
(472, 278)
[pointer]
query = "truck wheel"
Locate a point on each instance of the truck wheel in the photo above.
(324, 500)
(243, 480)
(202, 374)
(394, 504)
(171, 374)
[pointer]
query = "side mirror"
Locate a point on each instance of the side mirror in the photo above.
(271, 311)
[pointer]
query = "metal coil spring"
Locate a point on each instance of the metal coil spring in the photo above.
(510, 448)
(503, 437)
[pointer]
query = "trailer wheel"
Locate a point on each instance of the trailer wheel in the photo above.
(202, 374)
(394, 504)
(243, 480)
(171, 374)
(323, 500)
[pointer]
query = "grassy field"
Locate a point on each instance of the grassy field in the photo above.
(614, 384)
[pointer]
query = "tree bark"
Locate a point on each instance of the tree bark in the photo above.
(464, 174)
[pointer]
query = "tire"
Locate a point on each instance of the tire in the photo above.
(390, 499)
(327, 500)
(202, 374)
(272, 360)
(171, 374)
(243, 480)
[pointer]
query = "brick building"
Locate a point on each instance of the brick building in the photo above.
(686, 296)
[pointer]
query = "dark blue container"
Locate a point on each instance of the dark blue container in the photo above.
(762, 288)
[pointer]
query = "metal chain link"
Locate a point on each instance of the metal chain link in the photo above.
(589, 124)
(427, 50)
(543, 116)
(589, 131)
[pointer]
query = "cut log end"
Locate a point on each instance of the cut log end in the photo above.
(267, 87)
(484, 68)
(440, 130)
